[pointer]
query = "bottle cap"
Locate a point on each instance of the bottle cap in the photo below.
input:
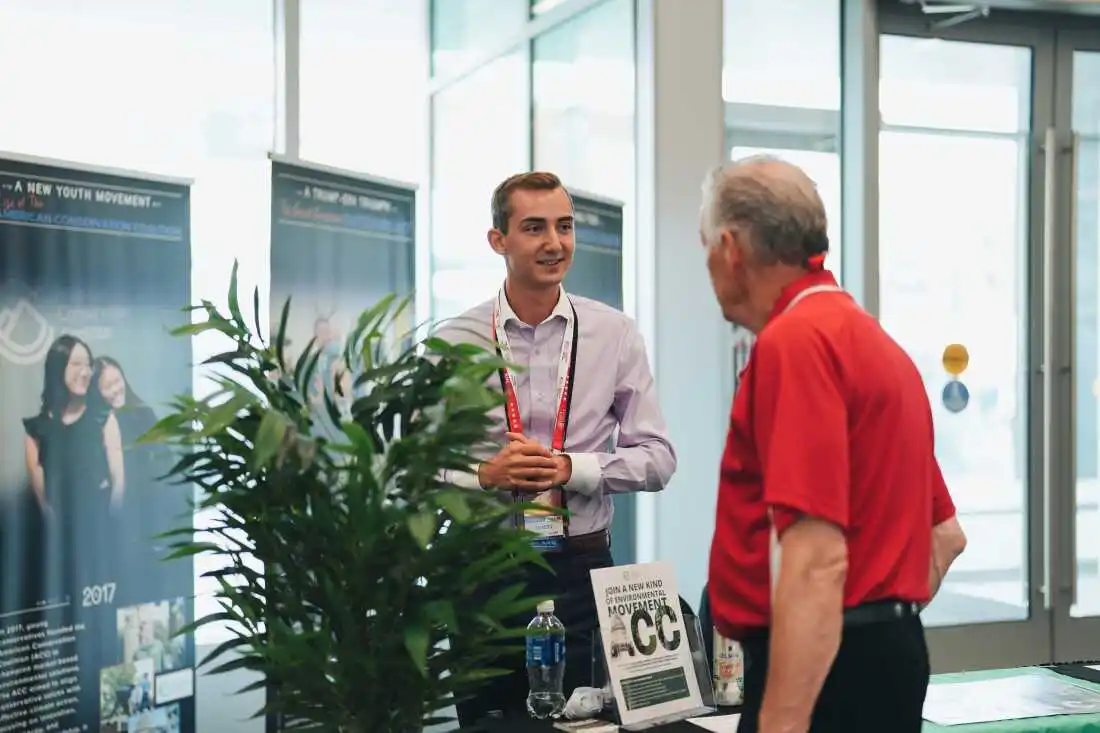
(546, 607)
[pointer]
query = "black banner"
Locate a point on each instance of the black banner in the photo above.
(94, 271)
(597, 273)
(339, 244)
(597, 270)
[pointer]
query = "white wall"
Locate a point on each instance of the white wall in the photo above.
(219, 708)
(680, 136)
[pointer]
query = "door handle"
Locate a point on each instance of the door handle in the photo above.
(1069, 512)
(1050, 233)
(1058, 360)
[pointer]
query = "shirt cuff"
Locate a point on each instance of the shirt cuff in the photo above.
(464, 479)
(586, 473)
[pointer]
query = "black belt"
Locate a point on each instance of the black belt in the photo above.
(865, 614)
(877, 612)
(591, 542)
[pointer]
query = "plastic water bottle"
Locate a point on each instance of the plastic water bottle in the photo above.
(545, 663)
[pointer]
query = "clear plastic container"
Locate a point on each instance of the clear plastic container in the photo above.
(545, 664)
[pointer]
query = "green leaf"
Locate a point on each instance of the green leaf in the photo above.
(256, 314)
(269, 437)
(194, 329)
(416, 643)
(360, 441)
(164, 429)
(422, 527)
(226, 357)
(454, 502)
(234, 304)
(442, 612)
(343, 561)
(281, 336)
(192, 548)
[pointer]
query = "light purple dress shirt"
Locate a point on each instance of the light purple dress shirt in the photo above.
(617, 440)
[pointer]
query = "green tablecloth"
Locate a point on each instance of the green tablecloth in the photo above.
(1053, 724)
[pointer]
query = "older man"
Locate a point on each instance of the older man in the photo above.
(834, 525)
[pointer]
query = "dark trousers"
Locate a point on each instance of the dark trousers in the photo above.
(876, 684)
(574, 604)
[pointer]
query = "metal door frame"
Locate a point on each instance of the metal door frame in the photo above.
(1050, 633)
(1013, 643)
(1072, 638)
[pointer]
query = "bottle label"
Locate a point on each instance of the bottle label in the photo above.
(729, 671)
(545, 650)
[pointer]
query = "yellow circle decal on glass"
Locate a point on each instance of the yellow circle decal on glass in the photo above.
(955, 359)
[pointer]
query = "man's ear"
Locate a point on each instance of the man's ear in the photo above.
(733, 246)
(496, 241)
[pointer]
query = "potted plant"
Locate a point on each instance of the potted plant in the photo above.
(351, 573)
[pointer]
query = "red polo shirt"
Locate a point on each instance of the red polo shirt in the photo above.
(831, 420)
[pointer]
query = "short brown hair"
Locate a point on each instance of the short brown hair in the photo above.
(531, 181)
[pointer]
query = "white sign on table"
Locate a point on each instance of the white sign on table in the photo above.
(645, 645)
(718, 723)
(1034, 694)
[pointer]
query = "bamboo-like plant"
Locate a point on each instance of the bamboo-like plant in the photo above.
(350, 573)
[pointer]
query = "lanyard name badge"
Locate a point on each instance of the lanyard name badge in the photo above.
(776, 554)
(550, 529)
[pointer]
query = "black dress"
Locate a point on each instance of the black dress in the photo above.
(78, 538)
(78, 545)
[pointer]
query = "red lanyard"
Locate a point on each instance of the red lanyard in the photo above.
(567, 363)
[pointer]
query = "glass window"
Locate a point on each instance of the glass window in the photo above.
(363, 86)
(954, 86)
(1086, 95)
(463, 31)
(1086, 268)
(782, 53)
(480, 136)
(584, 121)
(539, 7)
(584, 101)
(782, 90)
(188, 89)
(954, 269)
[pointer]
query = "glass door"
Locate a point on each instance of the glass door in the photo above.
(989, 155)
(957, 218)
(1076, 205)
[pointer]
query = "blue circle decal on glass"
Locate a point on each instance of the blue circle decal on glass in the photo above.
(955, 396)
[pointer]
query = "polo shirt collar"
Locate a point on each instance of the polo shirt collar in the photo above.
(561, 308)
(807, 281)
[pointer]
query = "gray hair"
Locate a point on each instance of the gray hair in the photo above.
(775, 201)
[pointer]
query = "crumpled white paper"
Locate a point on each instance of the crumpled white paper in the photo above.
(585, 702)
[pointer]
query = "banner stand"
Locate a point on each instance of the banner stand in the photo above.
(95, 270)
(7, 156)
(340, 242)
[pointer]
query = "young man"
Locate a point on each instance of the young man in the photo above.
(580, 424)
(834, 526)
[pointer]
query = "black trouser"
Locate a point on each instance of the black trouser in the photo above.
(876, 684)
(574, 605)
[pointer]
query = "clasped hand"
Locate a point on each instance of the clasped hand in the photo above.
(524, 465)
